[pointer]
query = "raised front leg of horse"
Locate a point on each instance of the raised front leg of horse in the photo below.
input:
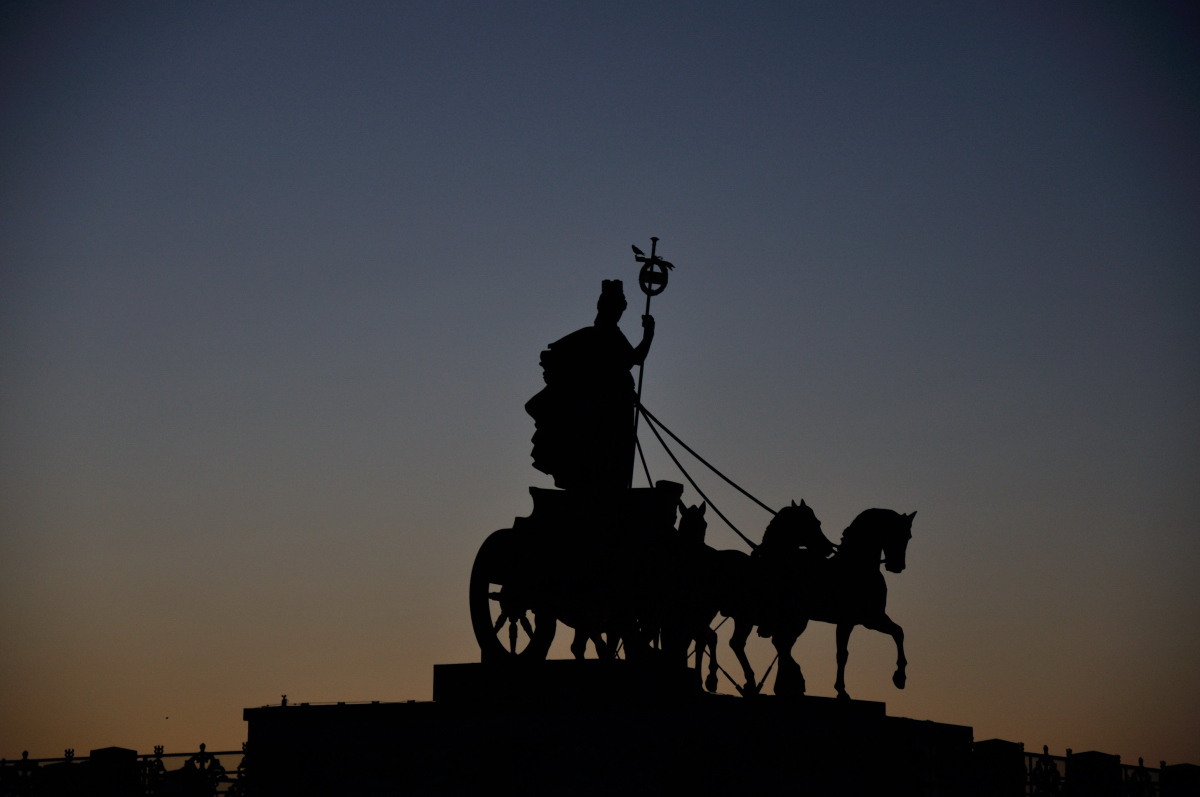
(843, 653)
(737, 642)
(888, 626)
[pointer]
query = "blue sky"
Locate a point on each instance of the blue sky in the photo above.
(274, 280)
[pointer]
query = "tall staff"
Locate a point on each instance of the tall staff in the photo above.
(652, 279)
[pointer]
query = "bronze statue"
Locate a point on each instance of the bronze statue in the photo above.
(584, 417)
(607, 560)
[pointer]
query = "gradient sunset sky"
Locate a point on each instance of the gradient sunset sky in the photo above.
(274, 278)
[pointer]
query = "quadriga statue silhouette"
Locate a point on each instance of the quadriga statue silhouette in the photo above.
(791, 580)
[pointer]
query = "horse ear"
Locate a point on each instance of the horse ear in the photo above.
(911, 515)
(794, 501)
(703, 507)
(802, 502)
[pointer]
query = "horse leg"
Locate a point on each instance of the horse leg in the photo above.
(700, 640)
(710, 683)
(695, 666)
(741, 632)
(784, 672)
(601, 648)
(888, 626)
(579, 644)
(613, 644)
(843, 653)
(789, 678)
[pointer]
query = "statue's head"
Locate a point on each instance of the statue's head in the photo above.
(612, 301)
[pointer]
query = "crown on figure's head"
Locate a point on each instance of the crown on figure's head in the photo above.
(612, 289)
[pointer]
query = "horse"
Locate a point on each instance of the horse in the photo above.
(758, 592)
(690, 610)
(846, 590)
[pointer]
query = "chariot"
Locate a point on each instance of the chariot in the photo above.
(593, 561)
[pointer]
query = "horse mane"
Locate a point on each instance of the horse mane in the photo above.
(790, 521)
(867, 524)
(776, 524)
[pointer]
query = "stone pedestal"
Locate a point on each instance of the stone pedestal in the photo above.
(599, 728)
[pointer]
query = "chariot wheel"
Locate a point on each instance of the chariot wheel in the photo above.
(506, 624)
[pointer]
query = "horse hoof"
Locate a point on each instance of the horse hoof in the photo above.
(898, 679)
(843, 695)
(710, 683)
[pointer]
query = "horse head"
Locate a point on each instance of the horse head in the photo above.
(794, 527)
(692, 524)
(895, 542)
(877, 532)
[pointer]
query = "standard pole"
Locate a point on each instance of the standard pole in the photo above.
(636, 414)
(642, 368)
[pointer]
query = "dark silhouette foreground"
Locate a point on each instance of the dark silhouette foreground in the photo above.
(612, 743)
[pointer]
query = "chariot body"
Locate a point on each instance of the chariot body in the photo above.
(595, 561)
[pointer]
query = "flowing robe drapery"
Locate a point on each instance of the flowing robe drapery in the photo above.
(584, 416)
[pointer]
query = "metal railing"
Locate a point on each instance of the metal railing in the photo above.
(203, 773)
(1048, 776)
